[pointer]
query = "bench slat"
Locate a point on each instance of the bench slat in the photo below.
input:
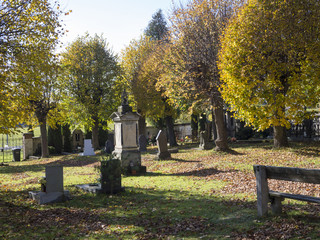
(292, 174)
(295, 196)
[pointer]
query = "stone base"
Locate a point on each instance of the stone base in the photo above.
(96, 188)
(206, 146)
(53, 197)
(173, 150)
(128, 157)
(163, 155)
(135, 171)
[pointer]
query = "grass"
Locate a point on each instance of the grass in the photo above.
(195, 195)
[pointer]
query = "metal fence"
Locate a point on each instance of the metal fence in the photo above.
(309, 129)
(8, 143)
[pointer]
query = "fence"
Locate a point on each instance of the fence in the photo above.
(7, 144)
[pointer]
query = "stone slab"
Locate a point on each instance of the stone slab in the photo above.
(53, 197)
(96, 188)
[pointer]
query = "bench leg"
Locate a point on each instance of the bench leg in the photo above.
(262, 191)
(276, 205)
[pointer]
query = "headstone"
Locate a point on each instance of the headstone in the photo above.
(111, 176)
(126, 137)
(88, 149)
(54, 191)
(163, 152)
(109, 147)
(54, 179)
(142, 143)
(204, 143)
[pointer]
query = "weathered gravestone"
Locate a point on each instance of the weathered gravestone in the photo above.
(163, 152)
(54, 191)
(142, 143)
(110, 178)
(109, 147)
(126, 139)
(204, 141)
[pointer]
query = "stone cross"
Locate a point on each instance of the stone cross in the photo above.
(163, 152)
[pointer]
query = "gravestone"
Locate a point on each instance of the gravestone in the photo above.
(111, 176)
(88, 149)
(126, 139)
(142, 143)
(204, 143)
(54, 191)
(109, 147)
(163, 152)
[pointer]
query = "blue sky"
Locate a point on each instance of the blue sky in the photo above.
(120, 21)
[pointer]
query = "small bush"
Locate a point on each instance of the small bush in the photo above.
(244, 133)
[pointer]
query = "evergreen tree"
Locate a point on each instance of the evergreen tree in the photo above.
(55, 138)
(157, 27)
(67, 143)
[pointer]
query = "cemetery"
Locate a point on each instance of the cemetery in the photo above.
(204, 128)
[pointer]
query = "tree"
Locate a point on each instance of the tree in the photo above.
(157, 27)
(26, 27)
(270, 63)
(157, 30)
(90, 82)
(192, 77)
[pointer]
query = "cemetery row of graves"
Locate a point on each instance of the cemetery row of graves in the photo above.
(143, 193)
(193, 194)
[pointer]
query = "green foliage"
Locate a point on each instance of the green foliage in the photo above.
(270, 62)
(244, 133)
(157, 27)
(67, 138)
(55, 138)
(29, 31)
(103, 136)
(90, 82)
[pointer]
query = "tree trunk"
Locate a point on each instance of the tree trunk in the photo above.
(170, 127)
(44, 138)
(214, 129)
(222, 137)
(280, 137)
(142, 126)
(95, 135)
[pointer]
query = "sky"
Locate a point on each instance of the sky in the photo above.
(120, 21)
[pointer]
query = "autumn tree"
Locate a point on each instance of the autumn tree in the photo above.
(270, 63)
(91, 70)
(142, 67)
(26, 27)
(192, 77)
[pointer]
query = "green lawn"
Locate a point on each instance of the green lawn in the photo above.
(195, 195)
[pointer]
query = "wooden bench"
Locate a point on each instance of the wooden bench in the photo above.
(264, 195)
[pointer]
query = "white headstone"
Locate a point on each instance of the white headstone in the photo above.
(88, 149)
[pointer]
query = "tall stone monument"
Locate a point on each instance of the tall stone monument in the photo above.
(126, 137)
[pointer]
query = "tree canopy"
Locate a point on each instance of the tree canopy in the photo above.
(192, 78)
(28, 29)
(270, 63)
(90, 82)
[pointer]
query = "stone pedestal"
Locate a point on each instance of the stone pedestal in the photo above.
(126, 138)
(27, 145)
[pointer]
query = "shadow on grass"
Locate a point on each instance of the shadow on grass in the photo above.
(136, 213)
(39, 165)
(195, 173)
